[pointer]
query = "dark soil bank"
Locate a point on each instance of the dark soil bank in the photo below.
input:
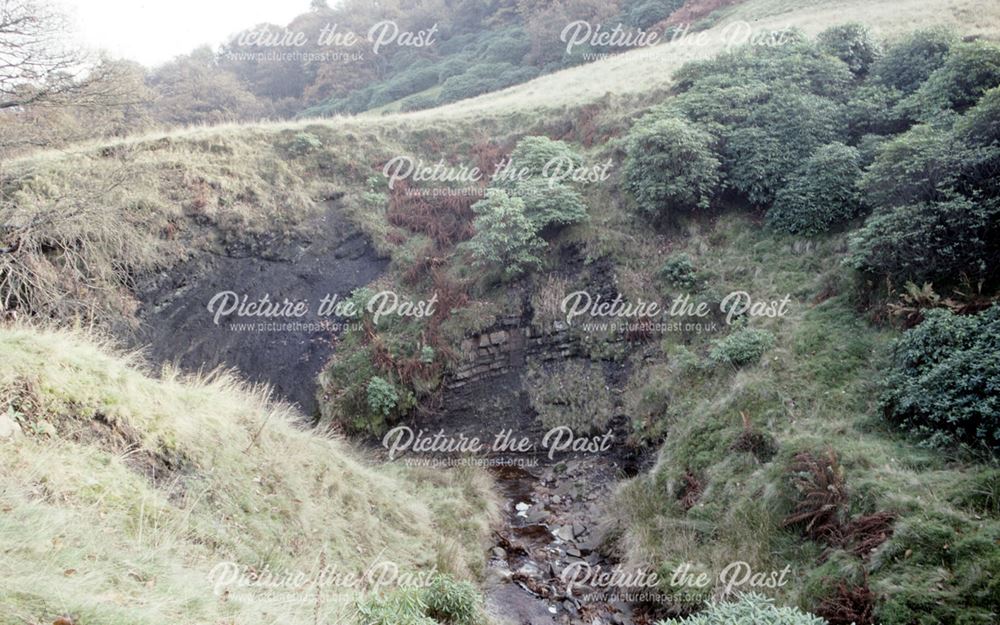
(332, 258)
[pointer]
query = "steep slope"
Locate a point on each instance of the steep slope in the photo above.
(128, 499)
(636, 73)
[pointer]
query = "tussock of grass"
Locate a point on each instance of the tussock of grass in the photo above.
(125, 491)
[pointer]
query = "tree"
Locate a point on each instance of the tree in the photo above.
(114, 106)
(193, 89)
(670, 167)
(505, 238)
(34, 65)
(52, 93)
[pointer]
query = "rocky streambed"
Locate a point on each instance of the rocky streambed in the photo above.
(553, 542)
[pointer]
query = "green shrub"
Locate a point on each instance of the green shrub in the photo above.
(304, 143)
(382, 397)
(534, 152)
(678, 271)
(917, 166)
(452, 602)
(476, 80)
(872, 110)
(909, 62)
(944, 383)
(853, 44)
(936, 242)
(419, 102)
(505, 239)
(482, 78)
(749, 609)
(743, 347)
(767, 107)
(821, 193)
(550, 204)
(969, 70)
(670, 167)
(775, 138)
(980, 126)
(509, 45)
(414, 79)
(979, 130)
(717, 104)
(797, 65)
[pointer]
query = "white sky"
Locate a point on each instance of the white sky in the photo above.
(155, 31)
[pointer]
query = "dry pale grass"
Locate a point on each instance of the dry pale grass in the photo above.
(124, 491)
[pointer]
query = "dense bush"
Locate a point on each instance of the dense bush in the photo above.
(484, 77)
(509, 46)
(412, 80)
(532, 175)
(476, 80)
(775, 138)
(917, 166)
(945, 378)
(821, 193)
(872, 110)
(717, 103)
(505, 238)
(936, 242)
(304, 143)
(979, 131)
(909, 62)
(534, 152)
(419, 102)
(550, 204)
(678, 271)
(969, 70)
(980, 126)
(852, 44)
(749, 609)
(670, 167)
(797, 65)
(744, 346)
(382, 397)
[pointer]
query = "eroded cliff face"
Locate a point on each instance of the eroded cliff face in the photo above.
(185, 316)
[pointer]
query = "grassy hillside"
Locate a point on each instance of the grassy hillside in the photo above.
(122, 492)
(732, 435)
(635, 74)
(177, 474)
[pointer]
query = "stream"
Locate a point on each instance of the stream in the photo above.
(553, 520)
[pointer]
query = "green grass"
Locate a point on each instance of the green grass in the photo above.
(815, 390)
